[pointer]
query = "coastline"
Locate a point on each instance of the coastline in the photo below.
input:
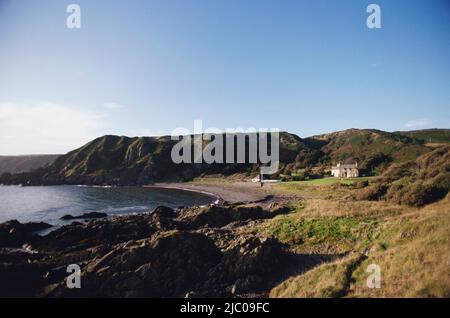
(225, 191)
(178, 186)
(143, 202)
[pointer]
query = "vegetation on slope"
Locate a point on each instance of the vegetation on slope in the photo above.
(409, 244)
(17, 164)
(428, 135)
(372, 149)
(127, 161)
(411, 250)
(415, 183)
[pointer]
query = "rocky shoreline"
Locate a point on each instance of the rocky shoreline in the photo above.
(191, 252)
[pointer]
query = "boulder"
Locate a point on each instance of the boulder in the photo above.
(219, 216)
(164, 211)
(162, 219)
(20, 279)
(90, 215)
(200, 252)
(250, 264)
(15, 234)
(78, 236)
(166, 265)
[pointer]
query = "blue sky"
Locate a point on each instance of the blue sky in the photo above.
(147, 67)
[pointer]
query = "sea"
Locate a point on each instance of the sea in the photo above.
(49, 203)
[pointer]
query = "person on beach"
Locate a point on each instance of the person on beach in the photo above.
(261, 181)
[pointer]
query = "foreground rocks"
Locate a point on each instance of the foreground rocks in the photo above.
(90, 215)
(15, 234)
(194, 252)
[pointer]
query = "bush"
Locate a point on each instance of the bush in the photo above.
(413, 183)
(421, 193)
(400, 170)
(372, 193)
(395, 192)
(434, 163)
(361, 184)
(442, 181)
(285, 178)
(375, 160)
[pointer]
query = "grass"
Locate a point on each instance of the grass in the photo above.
(326, 181)
(410, 244)
(325, 281)
(411, 247)
(317, 187)
(331, 234)
(414, 256)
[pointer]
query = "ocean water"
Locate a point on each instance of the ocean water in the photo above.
(49, 203)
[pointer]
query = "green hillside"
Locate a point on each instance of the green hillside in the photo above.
(369, 147)
(428, 135)
(16, 164)
(123, 160)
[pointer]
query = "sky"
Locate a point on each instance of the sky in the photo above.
(146, 67)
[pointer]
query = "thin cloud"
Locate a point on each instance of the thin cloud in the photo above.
(418, 123)
(43, 127)
(376, 65)
(112, 105)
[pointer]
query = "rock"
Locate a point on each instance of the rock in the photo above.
(218, 216)
(276, 208)
(164, 211)
(199, 252)
(90, 215)
(162, 219)
(20, 279)
(128, 284)
(15, 234)
(168, 265)
(74, 237)
(250, 264)
(35, 226)
(247, 284)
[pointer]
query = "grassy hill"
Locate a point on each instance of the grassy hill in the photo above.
(125, 161)
(434, 135)
(16, 164)
(410, 245)
(404, 229)
(369, 147)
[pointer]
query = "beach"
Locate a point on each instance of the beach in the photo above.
(231, 191)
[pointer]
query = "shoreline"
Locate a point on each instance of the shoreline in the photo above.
(220, 192)
(218, 199)
(209, 198)
(231, 192)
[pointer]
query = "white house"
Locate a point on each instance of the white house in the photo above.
(345, 170)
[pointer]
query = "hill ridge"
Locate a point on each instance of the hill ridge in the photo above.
(123, 160)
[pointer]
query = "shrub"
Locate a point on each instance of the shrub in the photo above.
(395, 192)
(361, 184)
(372, 193)
(434, 163)
(400, 170)
(285, 178)
(442, 181)
(375, 160)
(419, 193)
